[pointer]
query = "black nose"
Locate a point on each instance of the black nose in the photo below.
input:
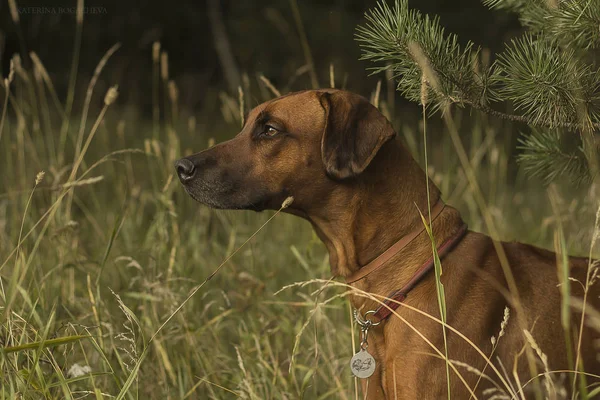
(185, 169)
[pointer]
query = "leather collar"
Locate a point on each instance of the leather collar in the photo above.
(394, 299)
(394, 249)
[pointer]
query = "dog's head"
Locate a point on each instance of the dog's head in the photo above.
(302, 145)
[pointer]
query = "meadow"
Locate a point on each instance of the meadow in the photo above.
(104, 257)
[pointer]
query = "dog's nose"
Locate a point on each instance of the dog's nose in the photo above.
(185, 169)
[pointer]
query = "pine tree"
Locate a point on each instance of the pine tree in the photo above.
(549, 75)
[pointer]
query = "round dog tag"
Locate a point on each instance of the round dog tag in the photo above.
(362, 364)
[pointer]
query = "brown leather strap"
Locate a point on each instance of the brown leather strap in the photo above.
(396, 247)
(398, 296)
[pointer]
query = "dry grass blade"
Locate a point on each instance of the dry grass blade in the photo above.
(381, 299)
(231, 338)
(432, 80)
(270, 86)
(88, 96)
(305, 46)
(44, 344)
(125, 389)
(588, 281)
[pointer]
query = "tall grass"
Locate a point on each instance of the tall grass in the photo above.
(102, 261)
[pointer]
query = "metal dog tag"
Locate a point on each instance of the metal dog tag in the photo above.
(362, 364)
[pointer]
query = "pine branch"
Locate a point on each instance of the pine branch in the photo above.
(548, 83)
(547, 74)
(531, 12)
(577, 23)
(520, 118)
(551, 86)
(573, 22)
(385, 39)
(545, 156)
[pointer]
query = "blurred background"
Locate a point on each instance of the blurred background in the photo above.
(215, 46)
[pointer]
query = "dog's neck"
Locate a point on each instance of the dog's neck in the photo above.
(375, 210)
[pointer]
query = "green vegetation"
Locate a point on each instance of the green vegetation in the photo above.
(549, 75)
(98, 253)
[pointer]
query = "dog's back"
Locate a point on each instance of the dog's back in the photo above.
(545, 296)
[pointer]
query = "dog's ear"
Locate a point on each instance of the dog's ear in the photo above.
(354, 131)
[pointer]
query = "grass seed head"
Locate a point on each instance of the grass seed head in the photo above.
(11, 73)
(111, 95)
(504, 322)
(423, 90)
(164, 66)
(79, 17)
(173, 91)
(156, 52)
(14, 12)
(39, 177)
(287, 202)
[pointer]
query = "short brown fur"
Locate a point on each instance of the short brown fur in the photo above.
(360, 189)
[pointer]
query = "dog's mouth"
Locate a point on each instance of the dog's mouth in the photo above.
(226, 189)
(227, 201)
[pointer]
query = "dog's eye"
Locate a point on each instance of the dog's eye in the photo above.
(270, 131)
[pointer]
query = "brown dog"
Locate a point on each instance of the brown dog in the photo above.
(360, 188)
